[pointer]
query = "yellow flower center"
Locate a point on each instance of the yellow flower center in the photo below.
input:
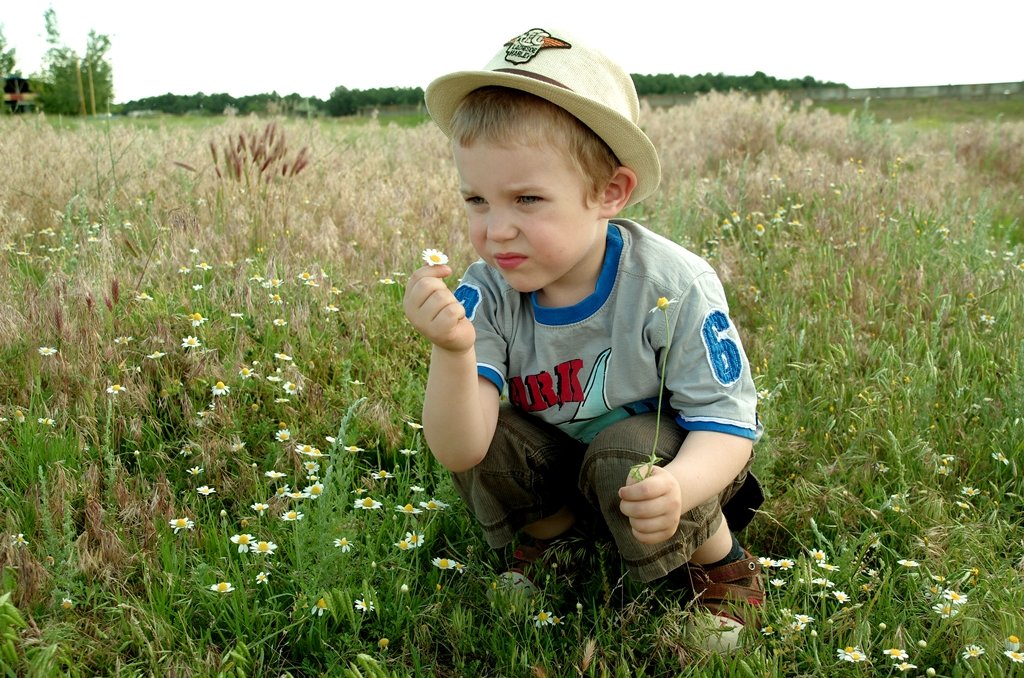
(662, 303)
(220, 384)
(322, 604)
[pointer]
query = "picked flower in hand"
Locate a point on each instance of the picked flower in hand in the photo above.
(434, 257)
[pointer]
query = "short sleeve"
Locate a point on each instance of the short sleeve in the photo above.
(707, 374)
(480, 296)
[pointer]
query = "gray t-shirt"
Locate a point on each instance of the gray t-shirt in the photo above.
(585, 366)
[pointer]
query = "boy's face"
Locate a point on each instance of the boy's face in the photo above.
(530, 218)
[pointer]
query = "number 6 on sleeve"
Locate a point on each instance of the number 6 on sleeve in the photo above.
(723, 353)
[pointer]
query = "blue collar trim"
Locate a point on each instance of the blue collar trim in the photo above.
(567, 315)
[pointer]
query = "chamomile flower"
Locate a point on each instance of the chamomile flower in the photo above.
(352, 448)
(381, 475)
(313, 491)
(851, 654)
(280, 322)
(818, 556)
(954, 597)
(191, 342)
(197, 319)
(182, 524)
(309, 451)
(777, 583)
(156, 355)
(945, 610)
(896, 653)
(1000, 457)
(367, 504)
(290, 388)
(904, 666)
(205, 490)
(195, 470)
(407, 452)
(262, 577)
(1015, 656)
(259, 507)
(415, 426)
(222, 587)
(415, 539)
(972, 652)
(344, 544)
(143, 296)
(909, 564)
(785, 564)
(284, 357)
(115, 389)
(404, 545)
(434, 505)
(841, 596)
(283, 435)
(443, 563)
(243, 541)
(47, 351)
(266, 548)
(408, 510)
(543, 618)
(292, 516)
(432, 257)
(364, 605)
(219, 389)
(246, 373)
(662, 304)
(319, 606)
(19, 539)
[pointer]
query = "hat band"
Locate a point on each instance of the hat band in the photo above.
(535, 76)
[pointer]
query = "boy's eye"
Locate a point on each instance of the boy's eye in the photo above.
(529, 199)
(474, 200)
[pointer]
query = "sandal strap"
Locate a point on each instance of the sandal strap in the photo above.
(715, 593)
(737, 570)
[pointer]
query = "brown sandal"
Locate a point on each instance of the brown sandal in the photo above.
(732, 593)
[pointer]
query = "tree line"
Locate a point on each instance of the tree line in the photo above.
(344, 101)
(71, 84)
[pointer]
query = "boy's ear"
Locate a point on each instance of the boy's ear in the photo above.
(616, 194)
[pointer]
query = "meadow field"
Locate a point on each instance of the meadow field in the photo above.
(211, 461)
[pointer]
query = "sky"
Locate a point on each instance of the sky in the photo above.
(311, 47)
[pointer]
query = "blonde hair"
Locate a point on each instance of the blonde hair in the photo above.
(503, 115)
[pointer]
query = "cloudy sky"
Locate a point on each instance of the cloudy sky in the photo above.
(311, 47)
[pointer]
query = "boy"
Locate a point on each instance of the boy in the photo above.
(558, 314)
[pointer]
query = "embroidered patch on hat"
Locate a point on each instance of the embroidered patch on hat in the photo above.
(522, 48)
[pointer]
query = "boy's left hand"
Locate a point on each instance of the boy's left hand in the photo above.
(653, 505)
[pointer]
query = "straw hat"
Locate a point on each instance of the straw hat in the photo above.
(572, 76)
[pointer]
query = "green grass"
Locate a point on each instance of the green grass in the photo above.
(884, 320)
(932, 111)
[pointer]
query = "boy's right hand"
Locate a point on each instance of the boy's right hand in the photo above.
(435, 312)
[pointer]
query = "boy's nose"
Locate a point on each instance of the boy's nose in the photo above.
(500, 227)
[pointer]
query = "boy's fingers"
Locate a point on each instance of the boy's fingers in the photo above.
(639, 491)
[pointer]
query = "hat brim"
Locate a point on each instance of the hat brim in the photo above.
(629, 143)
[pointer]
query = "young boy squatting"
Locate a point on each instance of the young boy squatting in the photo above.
(557, 313)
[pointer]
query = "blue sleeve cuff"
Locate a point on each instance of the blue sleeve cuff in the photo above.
(718, 427)
(492, 375)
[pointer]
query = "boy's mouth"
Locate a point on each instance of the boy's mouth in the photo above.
(508, 261)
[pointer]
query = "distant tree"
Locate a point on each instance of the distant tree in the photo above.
(73, 84)
(7, 60)
(342, 102)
